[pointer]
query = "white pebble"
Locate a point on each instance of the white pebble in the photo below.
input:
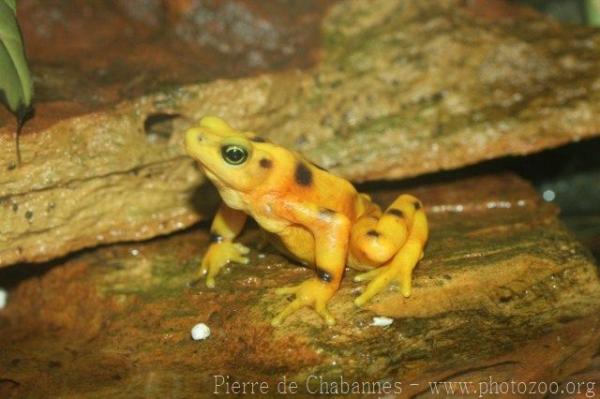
(200, 331)
(549, 195)
(382, 321)
(3, 297)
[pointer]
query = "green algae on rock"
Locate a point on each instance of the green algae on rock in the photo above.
(503, 292)
(403, 88)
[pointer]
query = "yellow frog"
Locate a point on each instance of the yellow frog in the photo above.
(317, 217)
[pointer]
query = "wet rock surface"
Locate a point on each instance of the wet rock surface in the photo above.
(402, 88)
(504, 292)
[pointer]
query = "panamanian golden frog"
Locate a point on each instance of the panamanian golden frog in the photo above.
(318, 218)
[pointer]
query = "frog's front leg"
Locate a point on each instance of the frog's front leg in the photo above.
(226, 226)
(331, 231)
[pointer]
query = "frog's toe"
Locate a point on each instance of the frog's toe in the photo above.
(213, 269)
(287, 290)
(244, 260)
(288, 310)
(322, 310)
(313, 292)
(404, 280)
(203, 270)
(241, 248)
(200, 273)
(296, 304)
(377, 284)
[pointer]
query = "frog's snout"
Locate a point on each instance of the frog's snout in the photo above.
(193, 137)
(193, 143)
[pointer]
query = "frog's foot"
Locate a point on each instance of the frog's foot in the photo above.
(399, 269)
(219, 254)
(381, 278)
(313, 292)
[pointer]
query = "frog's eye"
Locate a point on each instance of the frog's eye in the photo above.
(234, 154)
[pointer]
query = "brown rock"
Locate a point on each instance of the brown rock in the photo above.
(503, 293)
(403, 88)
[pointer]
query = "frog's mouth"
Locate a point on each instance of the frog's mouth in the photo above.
(210, 175)
(213, 177)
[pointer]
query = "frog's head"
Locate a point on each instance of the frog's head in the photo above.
(231, 158)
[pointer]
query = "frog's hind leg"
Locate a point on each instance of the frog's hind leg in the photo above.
(377, 237)
(402, 230)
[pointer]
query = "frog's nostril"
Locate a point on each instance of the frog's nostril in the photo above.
(199, 137)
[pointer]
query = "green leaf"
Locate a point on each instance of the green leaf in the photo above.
(16, 86)
(12, 4)
(593, 12)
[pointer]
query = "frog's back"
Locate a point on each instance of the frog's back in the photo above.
(312, 184)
